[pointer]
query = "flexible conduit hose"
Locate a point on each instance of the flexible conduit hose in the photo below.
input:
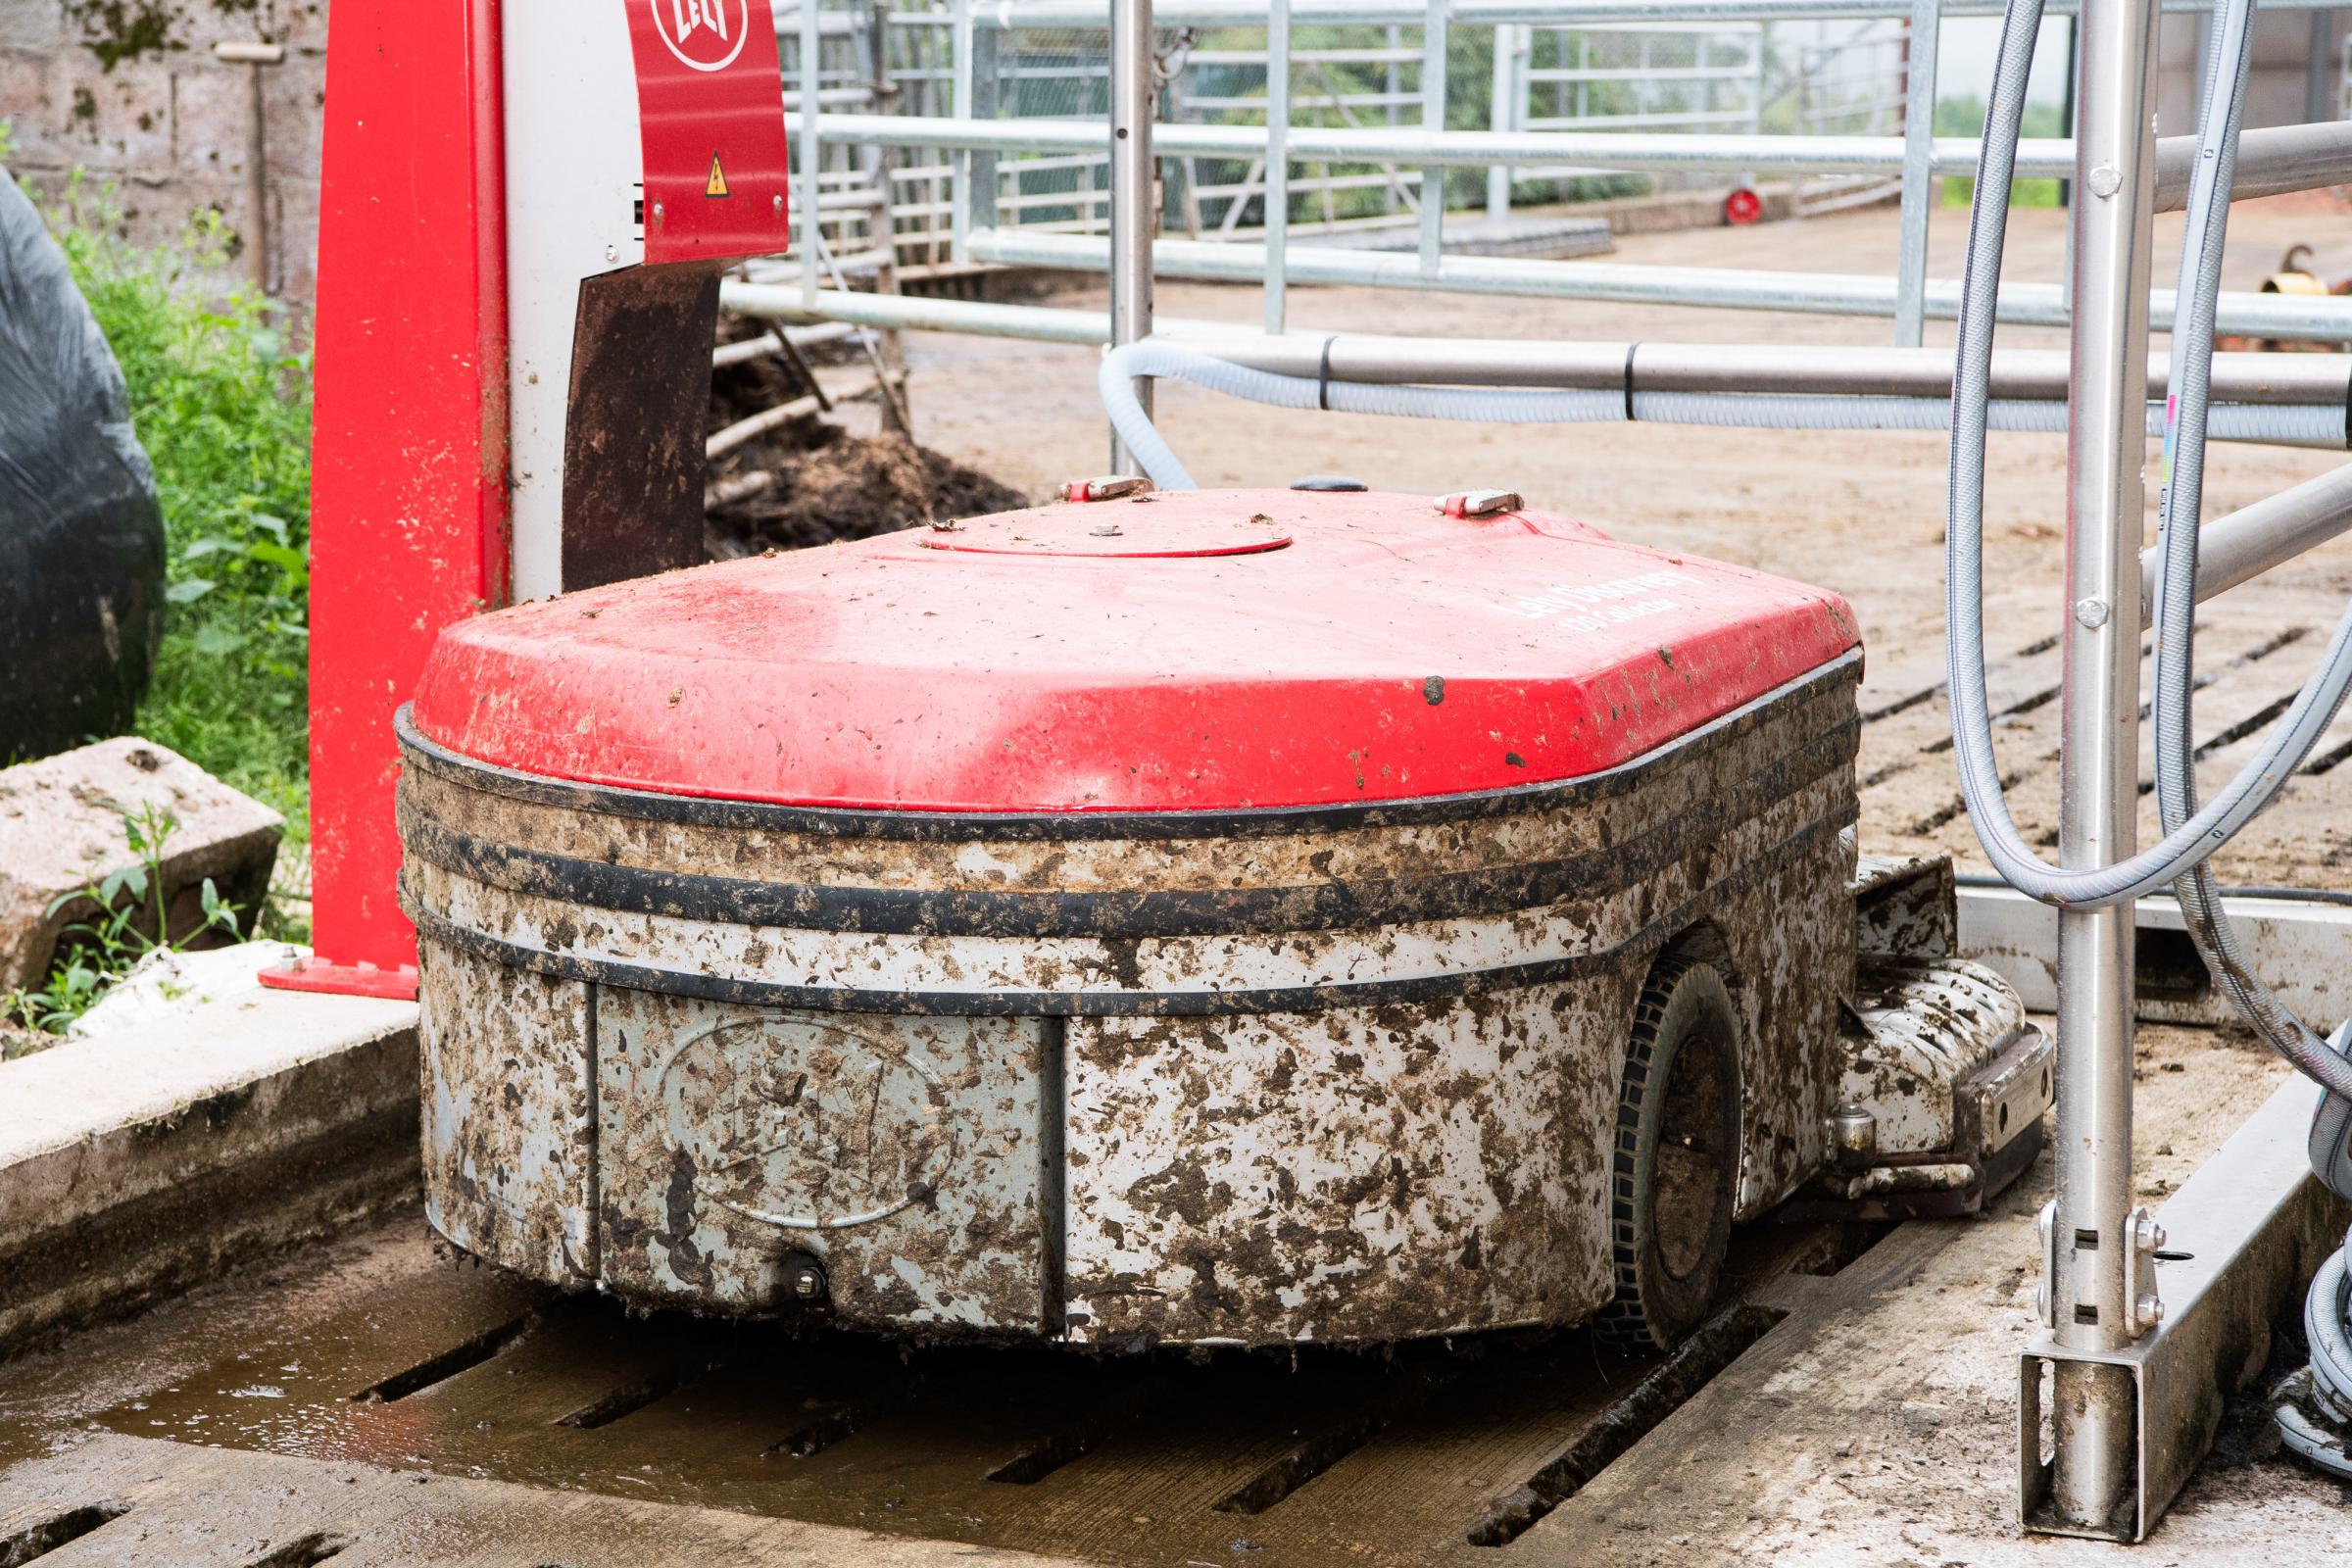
(2288, 742)
(2305, 424)
(2180, 510)
(1492, 406)
(2328, 1309)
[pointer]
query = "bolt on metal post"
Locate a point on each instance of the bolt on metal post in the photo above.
(2093, 1307)
(1134, 201)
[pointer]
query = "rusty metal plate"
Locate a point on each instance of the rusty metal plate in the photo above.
(902, 1153)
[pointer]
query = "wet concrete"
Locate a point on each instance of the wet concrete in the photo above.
(424, 1409)
(393, 1354)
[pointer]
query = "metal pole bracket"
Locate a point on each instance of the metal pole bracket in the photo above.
(2235, 1242)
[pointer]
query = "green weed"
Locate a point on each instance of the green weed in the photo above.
(129, 922)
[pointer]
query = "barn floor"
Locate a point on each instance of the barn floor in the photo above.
(1853, 1403)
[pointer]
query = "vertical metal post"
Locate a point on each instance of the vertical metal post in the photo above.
(259, 253)
(974, 199)
(1134, 202)
(1762, 58)
(1919, 185)
(1503, 116)
(879, 163)
(2106, 449)
(811, 160)
(1278, 159)
(1433, 119)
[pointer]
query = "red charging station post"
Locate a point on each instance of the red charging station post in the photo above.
(670, 156)
(409, 435)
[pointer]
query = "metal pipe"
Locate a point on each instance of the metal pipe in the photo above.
(2099, 750)
(1209, 14)
(2315, 317)
(2271, 160)
(256, 58)
(2252, 540)
(1919, 181)
(1432, 125)
(1133, 212)
(1278, 158)
(1793, 370)
(1503, 115)
(810, 149)
(2017, 374)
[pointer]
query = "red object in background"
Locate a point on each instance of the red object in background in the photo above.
(408, 490)
(1742, 206)
(1379, 652)
(717, 172)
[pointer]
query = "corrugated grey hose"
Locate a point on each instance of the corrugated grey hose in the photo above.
(2325, 1310)
(2180, 508)
(2281, 751)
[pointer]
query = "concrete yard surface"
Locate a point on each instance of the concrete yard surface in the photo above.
(135, 1163)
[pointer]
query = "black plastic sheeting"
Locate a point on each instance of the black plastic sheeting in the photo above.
(81, 538)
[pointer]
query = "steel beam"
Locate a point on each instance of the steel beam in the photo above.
(2253, 539)
(2271, 160)
(2319, 318)
(1133, 209)
(2295, 945)
(1063, 13)
(2238, 1237)
(2097, 1307)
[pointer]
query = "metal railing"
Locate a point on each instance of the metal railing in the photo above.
(976, 136)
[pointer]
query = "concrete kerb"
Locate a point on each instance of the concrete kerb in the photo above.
(136, 1165)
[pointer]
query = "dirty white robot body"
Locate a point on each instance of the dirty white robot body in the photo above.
(1213, 918)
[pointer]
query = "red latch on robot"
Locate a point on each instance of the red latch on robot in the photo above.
(711, 119)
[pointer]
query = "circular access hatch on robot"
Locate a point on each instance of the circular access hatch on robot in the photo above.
(1112, 528)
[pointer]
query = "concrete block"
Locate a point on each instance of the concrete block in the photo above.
(61, 828)
(139, 1163)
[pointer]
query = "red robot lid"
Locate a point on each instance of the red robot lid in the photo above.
(1197, 651)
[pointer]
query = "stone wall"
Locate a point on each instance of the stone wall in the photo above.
(128, 90)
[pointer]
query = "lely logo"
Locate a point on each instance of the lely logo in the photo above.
(705, 35)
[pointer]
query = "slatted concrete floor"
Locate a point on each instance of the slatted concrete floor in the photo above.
(2253, 655)
(1433, 1453)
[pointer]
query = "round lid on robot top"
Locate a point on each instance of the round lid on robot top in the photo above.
(1197, 651)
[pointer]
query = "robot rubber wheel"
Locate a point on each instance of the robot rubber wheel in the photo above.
(1677, 1157)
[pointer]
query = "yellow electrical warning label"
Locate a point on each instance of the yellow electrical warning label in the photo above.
(717, 183)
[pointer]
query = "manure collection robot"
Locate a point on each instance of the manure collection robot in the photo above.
(1205, 917)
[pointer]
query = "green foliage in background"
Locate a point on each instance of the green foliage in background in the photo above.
(223, 405)
(1965, 117)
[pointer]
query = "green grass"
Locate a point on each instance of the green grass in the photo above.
(1965, 117)
(222, 403)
